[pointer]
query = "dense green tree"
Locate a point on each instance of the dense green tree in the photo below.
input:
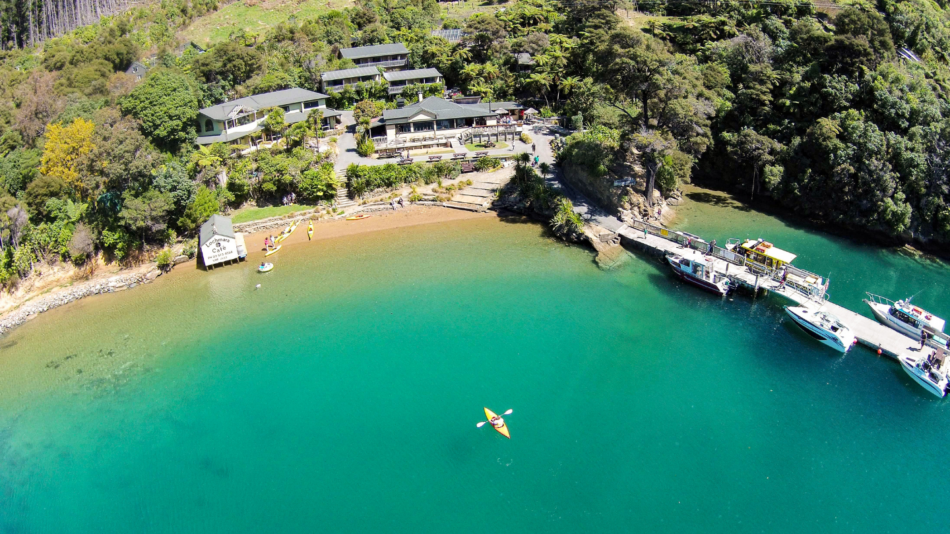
(229, 62)
(204, 205)
(166, 105)
(146, 216)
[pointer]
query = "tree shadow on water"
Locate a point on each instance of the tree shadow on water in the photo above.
(721, 201)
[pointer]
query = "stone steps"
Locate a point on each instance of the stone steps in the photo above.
(464, 206)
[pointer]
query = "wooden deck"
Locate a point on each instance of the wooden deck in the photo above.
(868, 331)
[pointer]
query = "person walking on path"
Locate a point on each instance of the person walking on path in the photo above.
(534, 148)
(644, 232)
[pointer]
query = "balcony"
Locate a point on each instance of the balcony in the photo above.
(385, 64)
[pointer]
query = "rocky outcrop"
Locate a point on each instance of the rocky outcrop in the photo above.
(95, 287)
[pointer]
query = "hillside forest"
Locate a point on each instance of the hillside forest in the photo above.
(842, 116)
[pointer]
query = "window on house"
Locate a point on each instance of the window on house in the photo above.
(312, 104)
(209, 125)
(445, 124)
(403, 128)
(423, 126)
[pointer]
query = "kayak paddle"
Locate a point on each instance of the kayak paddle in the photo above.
(483, 423)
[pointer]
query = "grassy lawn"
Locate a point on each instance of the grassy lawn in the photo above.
(254, 214)
(481, 147)
(465, 8)
(258, 17)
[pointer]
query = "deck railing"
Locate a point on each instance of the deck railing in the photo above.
(389, 63)
(732, 257)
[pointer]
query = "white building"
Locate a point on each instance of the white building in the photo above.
(438, 119)
(338, 80)
(217, 241)
(234, 120)
(399, 80)
(387, 56)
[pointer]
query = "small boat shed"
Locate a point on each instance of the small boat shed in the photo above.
(218, 242)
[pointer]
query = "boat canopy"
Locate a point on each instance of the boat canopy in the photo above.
(766, 249)
(923, 316)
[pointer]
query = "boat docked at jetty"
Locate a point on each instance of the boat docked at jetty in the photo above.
(929, 371)
(823, 326)
(908, 319)
(695, 268)
(764, 258)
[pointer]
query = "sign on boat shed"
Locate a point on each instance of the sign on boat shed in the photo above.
(218, 242)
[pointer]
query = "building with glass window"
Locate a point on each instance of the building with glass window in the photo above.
(387, 56)
(435, 116)
(337, 80)
(232, 121)
(399, 81)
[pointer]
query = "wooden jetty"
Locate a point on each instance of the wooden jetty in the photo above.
(661, 241)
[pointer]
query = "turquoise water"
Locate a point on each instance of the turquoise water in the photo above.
(342, 396)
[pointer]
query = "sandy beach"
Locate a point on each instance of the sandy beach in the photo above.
(411, 215)
(30, 304)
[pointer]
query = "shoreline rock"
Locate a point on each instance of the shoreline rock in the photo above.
(113, 284)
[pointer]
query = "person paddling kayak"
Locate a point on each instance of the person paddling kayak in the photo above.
(496, 422)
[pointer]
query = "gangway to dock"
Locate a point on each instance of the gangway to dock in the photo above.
(661, 241)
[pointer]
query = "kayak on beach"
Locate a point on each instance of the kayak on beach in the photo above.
(359, 217)
(496, 421)
(269, 252)
(286, 233)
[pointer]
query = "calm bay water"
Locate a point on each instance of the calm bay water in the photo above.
(342, 396)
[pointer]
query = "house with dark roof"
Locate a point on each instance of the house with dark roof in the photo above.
(387, 56)
(337, 80)
(436, 117)
(399, 80)
(234, 120)
(137, 69)
(524, 61)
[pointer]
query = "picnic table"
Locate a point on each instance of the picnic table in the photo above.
(459, 155)
(405, 161)
(435, 158)
(481, 154)
(468, 167)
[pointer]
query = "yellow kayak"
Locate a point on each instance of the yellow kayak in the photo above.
(286, 233)
(310, 231)
(359, 217)
(503, 429)
(272, 251)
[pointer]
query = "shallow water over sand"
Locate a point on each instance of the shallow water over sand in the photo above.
(342, 396)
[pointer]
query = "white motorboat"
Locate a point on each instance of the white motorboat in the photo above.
(699, 270)
(822, 326)
(928, 371)
(908, 319)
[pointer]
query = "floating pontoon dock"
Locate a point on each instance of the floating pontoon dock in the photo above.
(661, 241)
